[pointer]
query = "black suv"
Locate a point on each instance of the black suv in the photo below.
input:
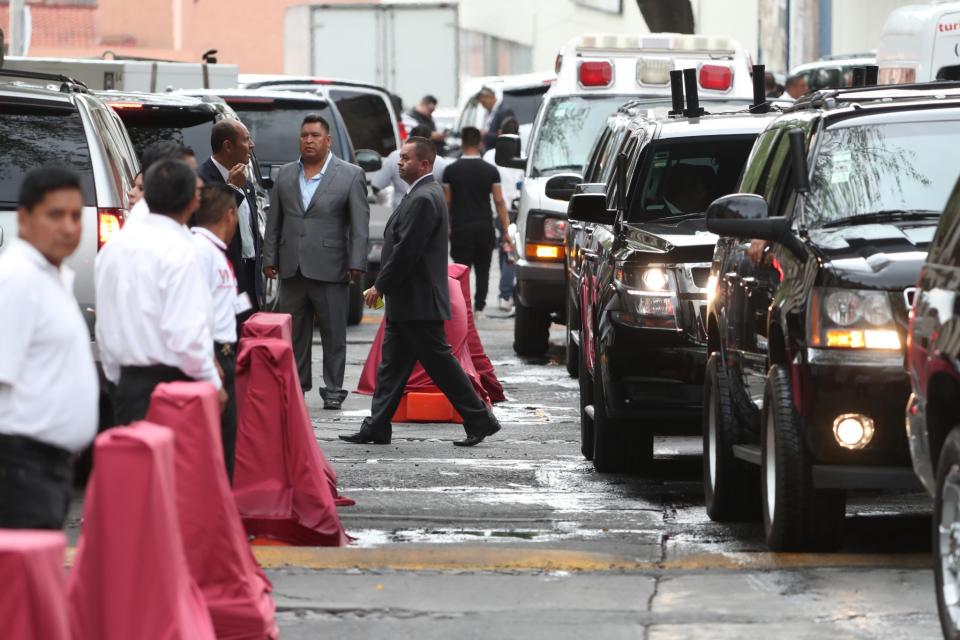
(643, 275)
(807, 324)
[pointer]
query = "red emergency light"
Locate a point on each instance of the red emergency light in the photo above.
(596, 73)
(716, 77)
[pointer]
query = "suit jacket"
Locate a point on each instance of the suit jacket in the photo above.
(500, 113)
(413, 262)
(209, 173)
(328, 238)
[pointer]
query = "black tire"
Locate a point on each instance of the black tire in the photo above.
(796, 517)
(572, 361)
(586, 398)
(731, 486)
(355, 306)
(531, 331)
(619, 446)
(945, 535)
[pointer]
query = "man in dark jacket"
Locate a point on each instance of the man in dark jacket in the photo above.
(497, 112)
(413, 280)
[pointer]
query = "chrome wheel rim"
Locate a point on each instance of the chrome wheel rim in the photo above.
(948, 545)
(770, 470)
(711, 451)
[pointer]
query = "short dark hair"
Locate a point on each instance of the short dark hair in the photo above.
(215, 200)
(159, 150)
(470, 137)
(510, 126)
(420, 131)
(486, 91)
(429, 99)
(794, 79)
(224, 130)
(188, 152)
(310, 118)
(39, 182)
(169, 186)
(425, 149)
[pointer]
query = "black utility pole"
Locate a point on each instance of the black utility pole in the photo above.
(667, 15)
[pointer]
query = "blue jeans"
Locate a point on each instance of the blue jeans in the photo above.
(508, 270)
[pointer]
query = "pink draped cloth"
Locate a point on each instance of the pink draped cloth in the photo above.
(284, 485)
(33, 598)
(236, 591)
(269, 325)
(130, 577)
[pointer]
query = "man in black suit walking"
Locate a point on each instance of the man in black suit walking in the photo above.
(413, 281)
(231, 145)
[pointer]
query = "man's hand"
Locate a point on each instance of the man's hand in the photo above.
(270, 272)
(756, 249)
(238, 176)
(370, 297)
(354, 274)
(223, 397)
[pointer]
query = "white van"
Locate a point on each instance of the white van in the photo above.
(920, 43)
(595, 75)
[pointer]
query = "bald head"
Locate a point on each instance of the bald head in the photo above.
(230, 142)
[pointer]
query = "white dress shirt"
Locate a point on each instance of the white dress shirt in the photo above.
(389, 175)
(221, 282)
(138, 211)
(48, 381)
(247, 249)
(153, 305)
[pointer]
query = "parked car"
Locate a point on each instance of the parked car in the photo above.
(805, 377)
(595, 75)
(643, 276)
(833, 72)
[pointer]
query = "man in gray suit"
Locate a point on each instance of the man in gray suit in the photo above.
(316, 242)
(413, 279)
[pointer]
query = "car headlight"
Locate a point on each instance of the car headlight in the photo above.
(852, 319)
(652, 279)
(648, 296)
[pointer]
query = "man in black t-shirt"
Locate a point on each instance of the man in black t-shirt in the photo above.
(468, 185)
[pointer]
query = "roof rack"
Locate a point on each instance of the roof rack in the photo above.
(833, 98)
(67, 84)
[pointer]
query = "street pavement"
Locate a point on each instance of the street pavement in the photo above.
(519, 537)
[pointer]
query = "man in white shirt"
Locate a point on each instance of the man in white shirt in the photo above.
(510, 180)
(389, 174)
(49, 395)
(154, 312)
(216, 226)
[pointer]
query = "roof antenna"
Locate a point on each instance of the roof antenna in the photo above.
(872, 76)
(676, 92)
(693, 109)
(859, 77)
(760, 104)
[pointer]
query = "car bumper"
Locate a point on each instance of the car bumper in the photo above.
(541, 285)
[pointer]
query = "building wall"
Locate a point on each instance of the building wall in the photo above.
(149, 23)
(857, 24)
(738, 19)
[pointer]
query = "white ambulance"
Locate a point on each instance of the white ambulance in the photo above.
(920, 43)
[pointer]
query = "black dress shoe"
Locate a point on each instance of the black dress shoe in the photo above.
(476, 438)
(365, 437)
(332, 405)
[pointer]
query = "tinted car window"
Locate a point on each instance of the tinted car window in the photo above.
(189, 128)
(877, 168)
(680, 178)
(33, 138)
(276, 130)
(524, 102)
(568, 130)
(367, 120)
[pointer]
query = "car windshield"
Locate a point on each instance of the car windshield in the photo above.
(367, 119)
(884, 168)
(524, 103)
(568, 130)
(276, 131)
(188, 128)
(681, 178)
(34, 138)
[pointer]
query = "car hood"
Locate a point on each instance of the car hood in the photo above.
(686, 236)
(876, 256)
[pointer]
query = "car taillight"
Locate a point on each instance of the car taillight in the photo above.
(126, 105)
(554, 229)
(596, 73)
(402, 128)
(716, 77)
(545, 252)
(109, 221)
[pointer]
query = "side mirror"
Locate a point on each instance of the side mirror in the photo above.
(562, 186)
(798, 157)
(369, 160)
(744, 215)
(590, 207)
(508, 152)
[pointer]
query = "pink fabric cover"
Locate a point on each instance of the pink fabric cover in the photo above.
(284, 485)
(218, 554)
(33, 595)
(268, 325)
(463, 339)
(130, 577)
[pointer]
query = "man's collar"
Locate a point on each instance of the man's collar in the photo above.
(222, 169)
(211, 236)
(419, 180)
(33, 254)
(162, 220)
(323, 169)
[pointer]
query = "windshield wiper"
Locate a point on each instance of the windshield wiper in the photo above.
(884, 216)
(562, 167)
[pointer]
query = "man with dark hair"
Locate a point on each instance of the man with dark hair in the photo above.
(413, 280)
(154, 152)
(389, 173)
(497, 112)
(232, 147)
(48, 380)
(316, 242)
(795, 88)
(154, 313)
(468, 185)
(510, 181)
(422, 114)
(216, 226)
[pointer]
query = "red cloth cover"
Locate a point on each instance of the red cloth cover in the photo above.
(268, 325)
(130, 577)
(488, 377)
(220, 560)
(33, 595)
(458, 329)
(284, 486)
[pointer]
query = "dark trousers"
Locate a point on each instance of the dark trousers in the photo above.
(247, 280)
(227, 357)
(406, 343)
(473, 247)
(35, 484)
(303, 298)
(132, 397)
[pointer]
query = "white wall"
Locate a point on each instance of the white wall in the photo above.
(737, 19)
(857, 23)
